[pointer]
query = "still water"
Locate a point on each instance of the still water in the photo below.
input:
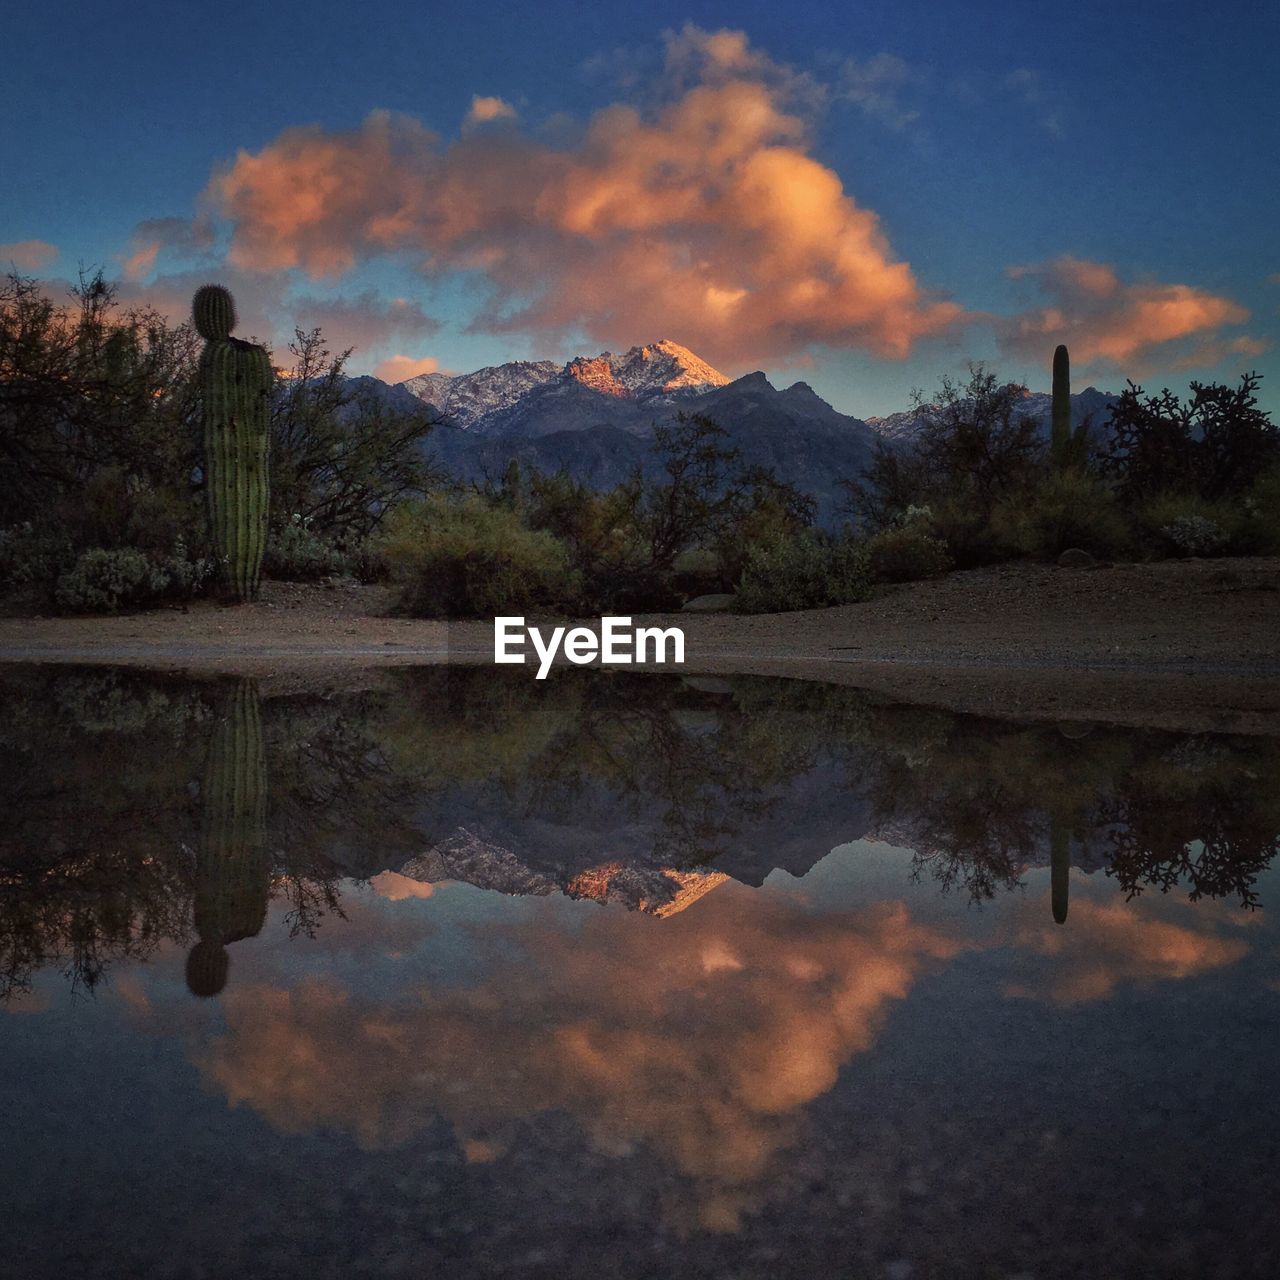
(457, 974)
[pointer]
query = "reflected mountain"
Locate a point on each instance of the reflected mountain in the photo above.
(144, 808)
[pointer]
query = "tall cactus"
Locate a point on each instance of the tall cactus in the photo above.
(235, 380)
(233, 864)
(1060, 438)
(1060, 868)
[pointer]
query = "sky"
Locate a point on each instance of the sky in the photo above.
(862, 196)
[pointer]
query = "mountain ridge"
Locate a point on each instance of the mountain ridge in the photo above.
(594, 417)
(662, 371)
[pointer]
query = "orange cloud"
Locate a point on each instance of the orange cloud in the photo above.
(704, 1035)
(705, 217)
(1104, 320)
(394, 887)
(28, 255)
(486, 110)
(398, 368)
(142, 260)
(1110, 943)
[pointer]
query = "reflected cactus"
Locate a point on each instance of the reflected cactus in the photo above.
(233, 867)
(235, 384)
(1060, 434)
(1059, 869)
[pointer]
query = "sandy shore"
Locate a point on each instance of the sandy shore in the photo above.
(1193, 645)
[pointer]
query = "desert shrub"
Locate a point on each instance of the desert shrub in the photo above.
(470, 558)
(160, 519)
(676, 529)
(298, 553)
(1184, 524)
(105, 580)
(699, 572)
(1069, 508)
(803, 571)
(31, 557)
(909, 552)
(1195, 536)
(1258, 533)
(966, 531)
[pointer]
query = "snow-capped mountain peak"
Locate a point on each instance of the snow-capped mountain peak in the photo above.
(659, 371)
(466, 398)
(665, 368)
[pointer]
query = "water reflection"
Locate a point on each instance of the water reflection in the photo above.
(233, 865)
(145, 808)
(459, 1058)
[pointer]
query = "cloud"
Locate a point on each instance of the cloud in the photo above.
(260, 311)
(1215, 351)
(394, 887)
(398, 367)
(1135, 325)
(718, 1027)
(153, 236)
(876, 86)
(363, 322)
(1110, 944)
(717, 1031)
(705, 218)
(140, 262)
(267, 312)
(28, 255)
(486, 110)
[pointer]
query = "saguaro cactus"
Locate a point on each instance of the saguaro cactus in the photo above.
(233, 864)
(1060, 438)
(1060, 868)
(235, 380)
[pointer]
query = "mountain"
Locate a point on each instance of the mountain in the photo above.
(602, 439)
(540, 397)
(594, 417)
(1090, 404)
(467, 857)
(467, 398)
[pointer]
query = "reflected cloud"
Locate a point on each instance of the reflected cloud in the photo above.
(702, 1036)
(1110, 944)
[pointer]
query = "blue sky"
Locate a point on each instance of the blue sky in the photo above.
(1103, 174)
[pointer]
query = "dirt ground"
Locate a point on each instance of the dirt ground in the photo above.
(1193, 645)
